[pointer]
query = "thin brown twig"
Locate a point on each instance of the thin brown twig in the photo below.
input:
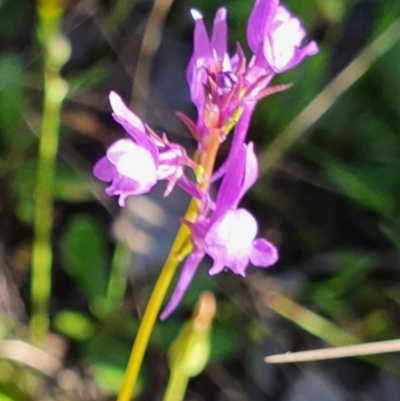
(150, 43)
(379, 347)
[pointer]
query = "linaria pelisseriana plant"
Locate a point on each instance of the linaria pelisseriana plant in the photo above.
(225, 90)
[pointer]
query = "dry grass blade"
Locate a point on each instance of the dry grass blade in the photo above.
(379, 347)
(150, 43)
(29, 355)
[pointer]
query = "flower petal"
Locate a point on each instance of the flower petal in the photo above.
(282, 43)
(263, 253)
(122, 112)
(259, 22)
(133, 161)
(229, 190)
(188, 270)
(125, 187)
(229, 241)
(132, 124)
(251, 171)
(239, 136)
(219, 34)
(201, 43)
(104, 170)
(310, 49)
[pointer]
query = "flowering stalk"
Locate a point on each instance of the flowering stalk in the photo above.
(160, 289)
(225, 90)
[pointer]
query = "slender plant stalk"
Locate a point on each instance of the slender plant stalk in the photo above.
(165, 278)
(153, 308)
(56, 52)
(176, 387)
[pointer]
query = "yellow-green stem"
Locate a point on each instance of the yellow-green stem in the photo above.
(165, 278)
(56, 52)
(42, 254)
(153, 308)
(176, 386)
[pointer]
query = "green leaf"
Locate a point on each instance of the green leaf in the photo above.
(369, 187)
(74, 325)
(108, 377)
(85, 256)
(224, 342)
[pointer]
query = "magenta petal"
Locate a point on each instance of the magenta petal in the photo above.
(231, 185)
(251, 171)
(124, 187)
(122, 112)
(220, 34)
(259, 22)
(310, 49)
(188, 270)
(104, 170)
(189, 187)
(239, 136)
(263, 253)
(201, 43)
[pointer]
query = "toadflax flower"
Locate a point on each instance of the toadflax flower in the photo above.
(275, 37)
(229, 235)
(135, 165)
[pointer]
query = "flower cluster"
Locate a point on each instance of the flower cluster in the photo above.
(225, 90)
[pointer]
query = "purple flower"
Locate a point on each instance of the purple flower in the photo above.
(275, 37)
(228, 236)
(132, 169)
(135, 165)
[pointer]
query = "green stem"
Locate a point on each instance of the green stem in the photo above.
(165, 278)
(56, 52)
(153, 308)
(176, 387)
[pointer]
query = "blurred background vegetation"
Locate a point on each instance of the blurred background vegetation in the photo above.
(328, 196)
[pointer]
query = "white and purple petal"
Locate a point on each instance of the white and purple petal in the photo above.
(229, 241)
(259, 22)
(122, 112)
